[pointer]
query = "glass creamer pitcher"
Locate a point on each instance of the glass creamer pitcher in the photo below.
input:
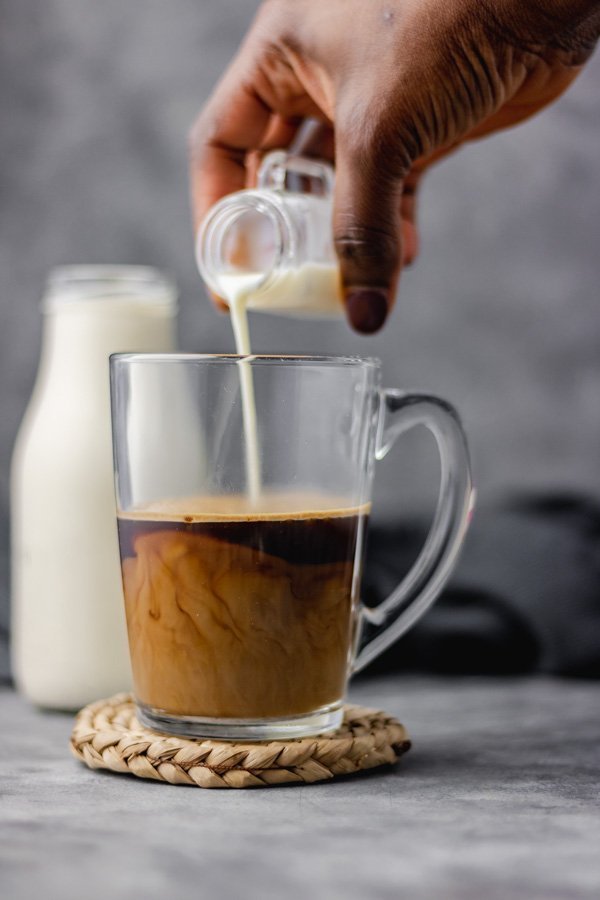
(273, 244)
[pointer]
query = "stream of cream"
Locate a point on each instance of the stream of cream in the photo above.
(239, 323)
(310, 290)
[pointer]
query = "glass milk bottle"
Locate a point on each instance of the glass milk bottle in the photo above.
(271, 248)
(69, 641)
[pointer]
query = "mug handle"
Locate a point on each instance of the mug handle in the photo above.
(381, 625)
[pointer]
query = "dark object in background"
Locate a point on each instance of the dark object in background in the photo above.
(525, 596)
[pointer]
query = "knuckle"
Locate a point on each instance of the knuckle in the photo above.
(354, 133)
(374, 143)
(368, 246)
(199, 135)
(205, 133)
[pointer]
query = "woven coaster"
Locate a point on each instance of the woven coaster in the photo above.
(107, 735)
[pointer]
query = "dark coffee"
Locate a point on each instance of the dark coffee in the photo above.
(233, 613)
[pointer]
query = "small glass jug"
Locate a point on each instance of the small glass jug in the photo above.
(273, 244)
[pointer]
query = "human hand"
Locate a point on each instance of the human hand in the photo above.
(398, 84)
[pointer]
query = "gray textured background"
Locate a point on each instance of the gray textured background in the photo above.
(500, 314)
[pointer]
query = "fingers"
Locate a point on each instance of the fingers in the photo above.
(237, 126)
(368, 236)
(281, 131)
(234, 121)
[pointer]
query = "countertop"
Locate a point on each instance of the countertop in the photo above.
(499, 798)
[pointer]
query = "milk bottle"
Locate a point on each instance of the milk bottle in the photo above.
(69, 641)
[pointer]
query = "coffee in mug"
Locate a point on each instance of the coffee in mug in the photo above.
(237, 612)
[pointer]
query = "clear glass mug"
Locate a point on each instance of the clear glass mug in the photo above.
(244, 613)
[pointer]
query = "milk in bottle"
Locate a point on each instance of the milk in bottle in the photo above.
(68, 628)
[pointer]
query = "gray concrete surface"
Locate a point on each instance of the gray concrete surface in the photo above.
(498, 799)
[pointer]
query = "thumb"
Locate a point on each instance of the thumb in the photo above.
(367, 234)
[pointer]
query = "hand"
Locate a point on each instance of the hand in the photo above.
(398, 84)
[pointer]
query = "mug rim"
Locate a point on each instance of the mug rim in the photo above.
(253, 358)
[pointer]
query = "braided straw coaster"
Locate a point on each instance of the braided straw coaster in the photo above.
(107, 735)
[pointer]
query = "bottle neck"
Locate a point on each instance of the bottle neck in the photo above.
(79, 336)
(245, 241)
(93, 311)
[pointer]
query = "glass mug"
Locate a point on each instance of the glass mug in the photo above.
(243, 614)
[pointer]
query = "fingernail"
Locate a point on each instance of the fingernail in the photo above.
(367, 310)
